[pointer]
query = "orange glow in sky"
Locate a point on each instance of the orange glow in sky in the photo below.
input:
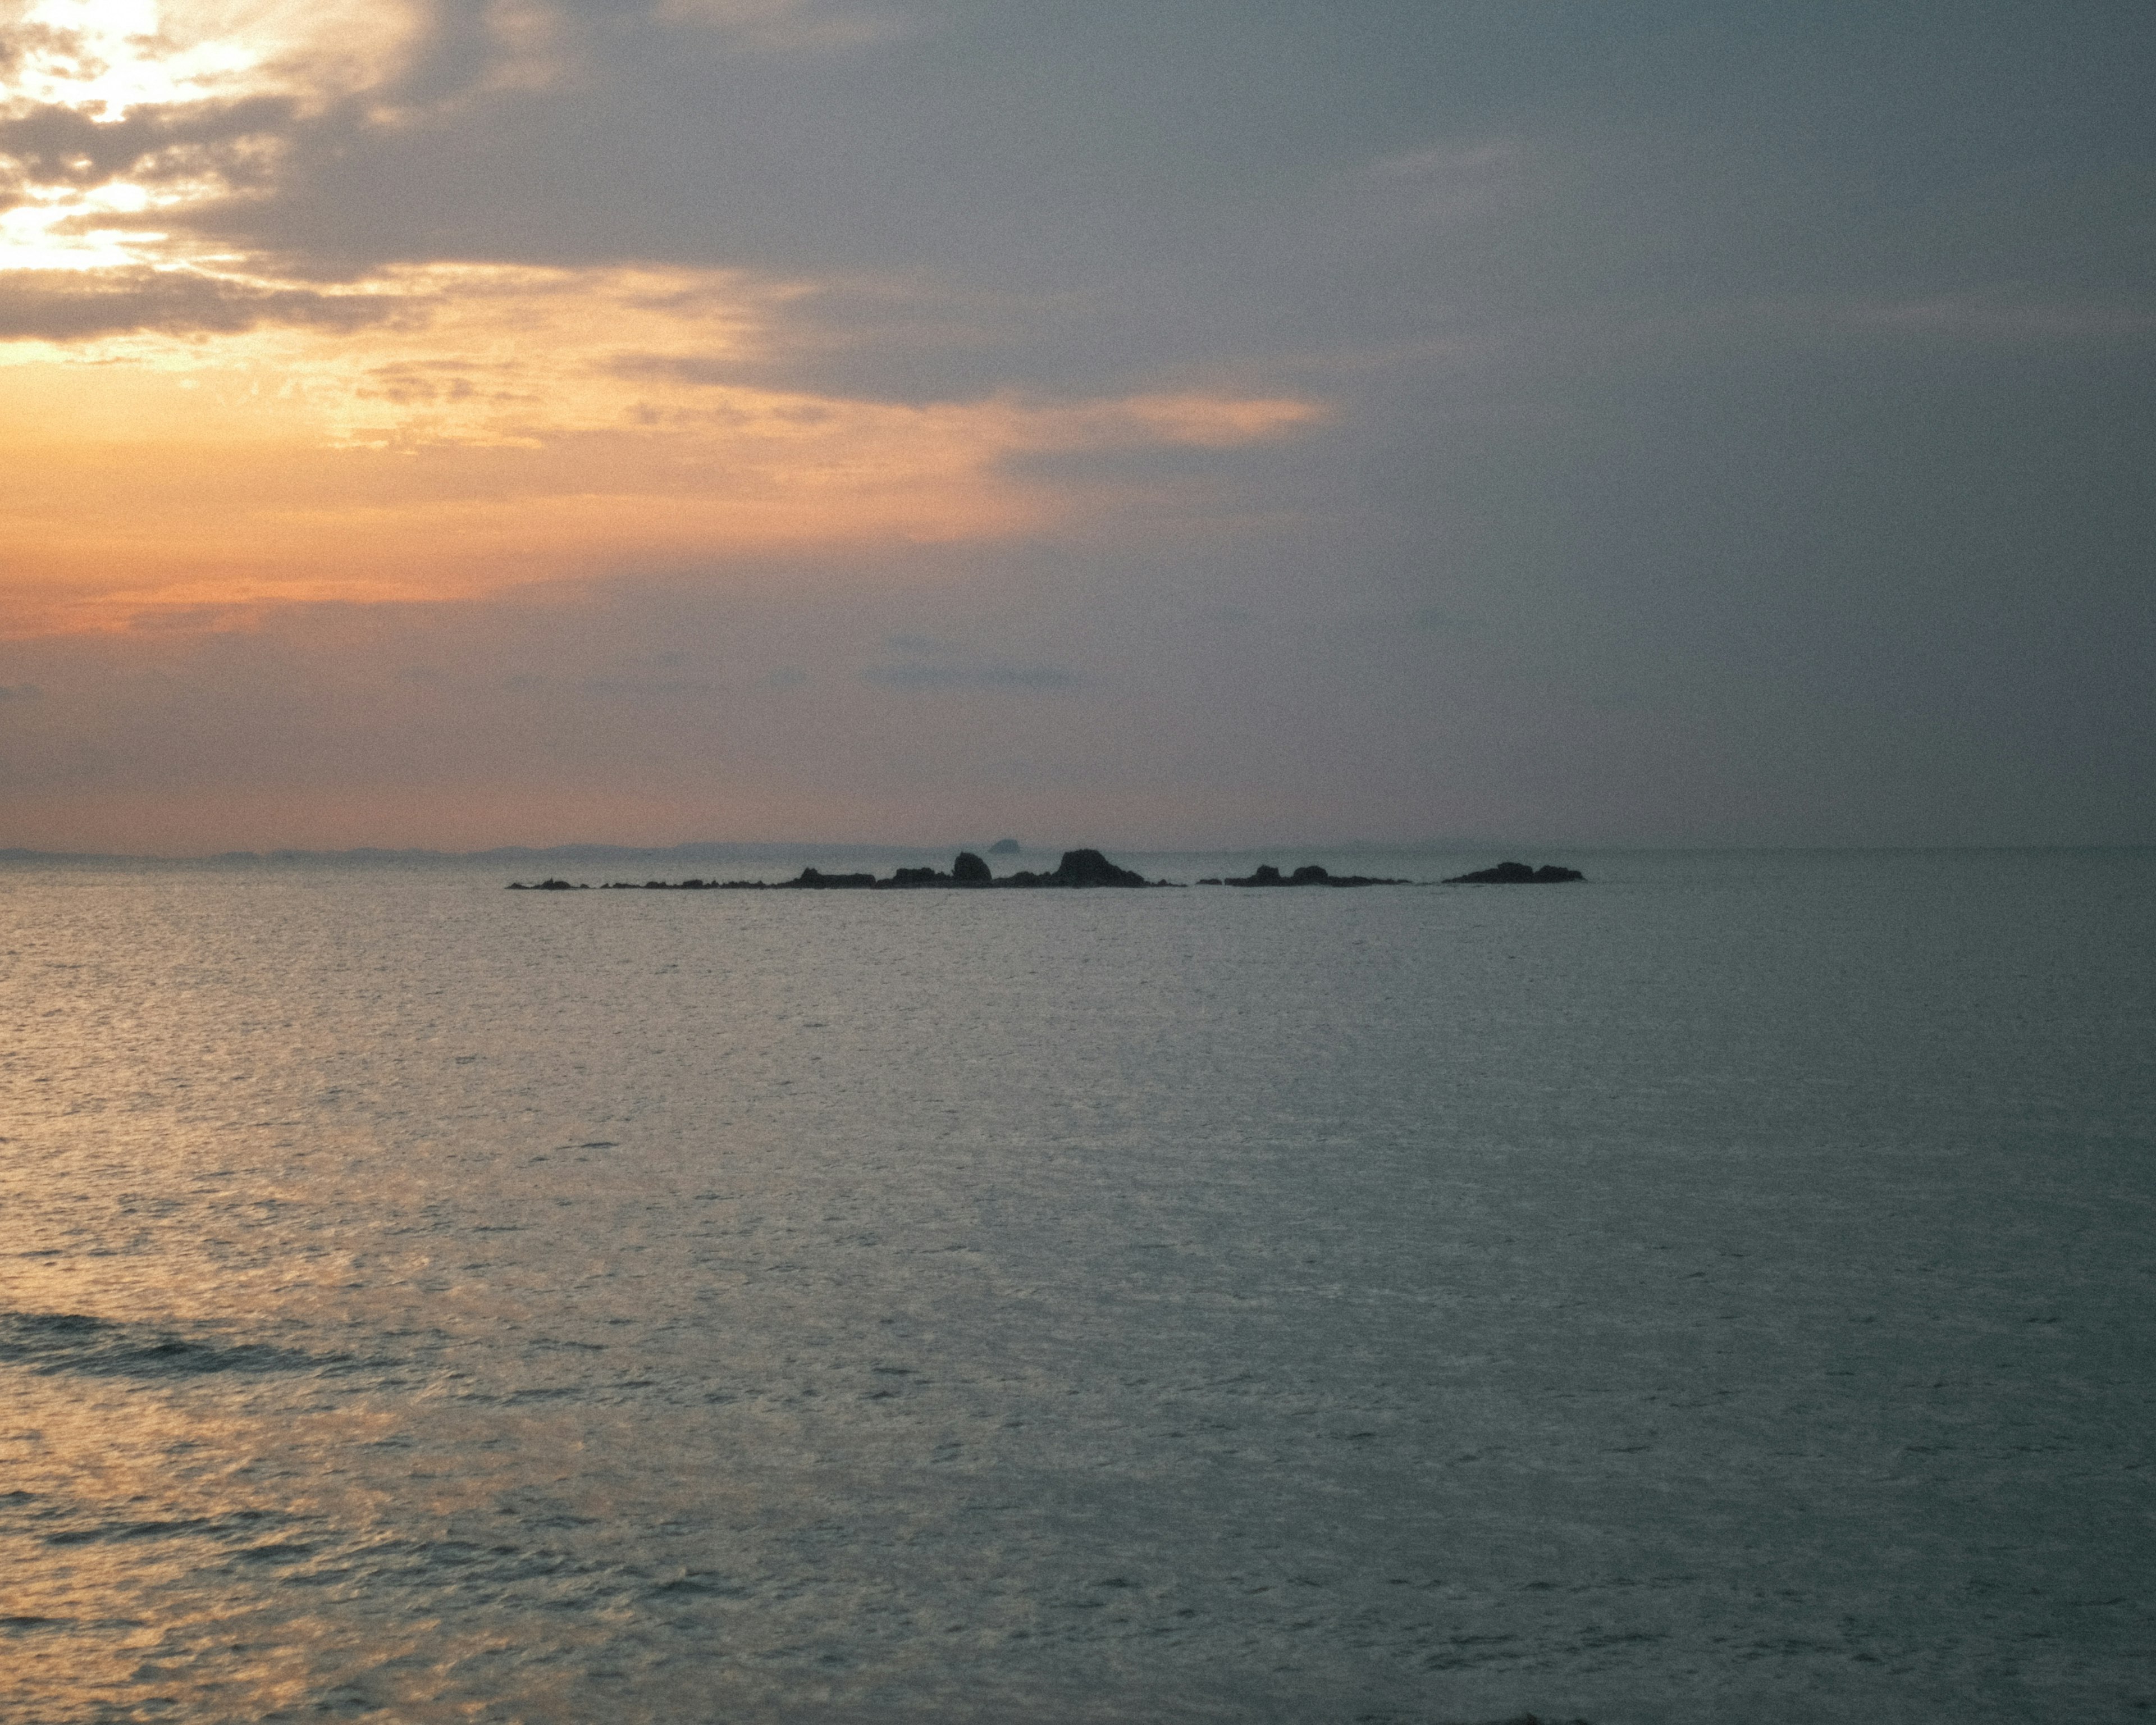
(489, 426)
(430, 430)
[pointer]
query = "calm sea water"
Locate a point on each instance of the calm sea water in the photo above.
(1719, 1292)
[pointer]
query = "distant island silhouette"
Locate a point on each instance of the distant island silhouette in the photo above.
(1516, 874)
(1309, 875)
(1079, 868)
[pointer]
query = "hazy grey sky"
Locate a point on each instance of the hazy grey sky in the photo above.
(1146, 423)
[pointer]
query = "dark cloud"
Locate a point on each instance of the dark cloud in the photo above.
(152, 145)
(74, 305)
(906, 338)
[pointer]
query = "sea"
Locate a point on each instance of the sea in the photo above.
(1720, 1291)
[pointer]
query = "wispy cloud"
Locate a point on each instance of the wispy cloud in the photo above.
(79, 305)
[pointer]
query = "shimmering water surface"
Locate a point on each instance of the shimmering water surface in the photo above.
(1718, 1291)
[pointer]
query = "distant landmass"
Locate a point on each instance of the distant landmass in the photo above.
(1079, 868)
(1309, 875)
(1516, 874)
(653, 859)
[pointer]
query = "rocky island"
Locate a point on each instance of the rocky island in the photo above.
(1309, 875)
(1079, 868)
(1516, 874)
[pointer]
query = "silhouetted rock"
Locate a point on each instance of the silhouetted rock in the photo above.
(1517, 874)
(1079, 868)
(1309, 875)
(1089, 868)
(1003, 847)
(815, 879)
(1532, 1719)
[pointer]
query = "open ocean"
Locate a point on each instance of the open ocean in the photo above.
(1724, 1291)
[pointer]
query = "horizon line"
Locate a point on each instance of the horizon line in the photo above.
(605, 847)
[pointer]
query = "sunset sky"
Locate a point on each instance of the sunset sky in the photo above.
(1142, 423)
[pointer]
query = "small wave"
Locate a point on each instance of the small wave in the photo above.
(288, 1550)
(699, 1583)
(246, 1536)
(108, 1531)
(56, 1342)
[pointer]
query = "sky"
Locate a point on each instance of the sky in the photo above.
(1144, 422)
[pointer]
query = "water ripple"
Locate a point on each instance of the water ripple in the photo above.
(58, 1341)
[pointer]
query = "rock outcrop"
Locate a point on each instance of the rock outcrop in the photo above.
(1079, 868)
(1517, 874)
(1309, 875)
